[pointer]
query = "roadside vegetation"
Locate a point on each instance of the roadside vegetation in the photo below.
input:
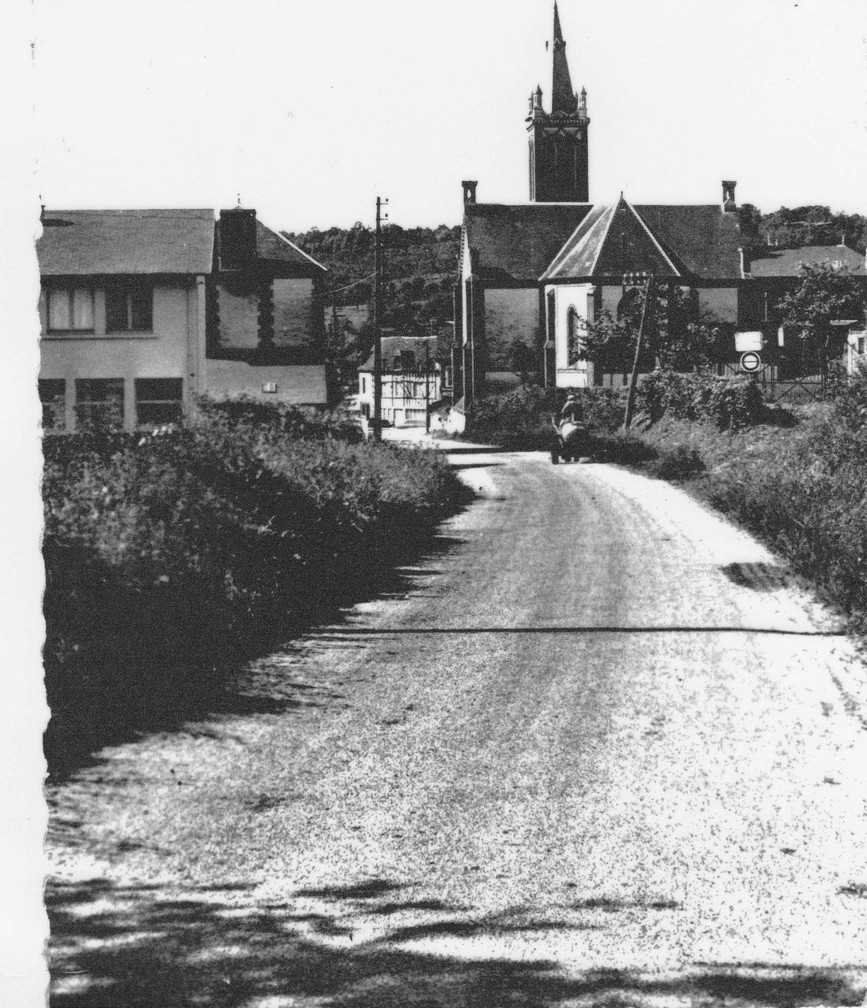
(169, 556)
(797, 478)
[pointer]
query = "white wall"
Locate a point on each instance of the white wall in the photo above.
(163, 353)
(567, 296)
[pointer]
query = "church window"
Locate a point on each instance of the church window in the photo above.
(574, 335)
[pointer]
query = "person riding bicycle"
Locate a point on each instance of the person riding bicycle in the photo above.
(572, 411)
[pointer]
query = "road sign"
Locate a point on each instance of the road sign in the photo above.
(747, 341)
(750, 362)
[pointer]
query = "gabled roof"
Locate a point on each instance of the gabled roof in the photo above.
(275, 248)
(518, 242)
(699, 236)
(669, 241)
(82, 242)
(393, 345)
(778, 262)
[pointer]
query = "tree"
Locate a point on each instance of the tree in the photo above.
(678, 336)
(824, 294)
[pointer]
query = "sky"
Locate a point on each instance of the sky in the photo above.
(309, 109)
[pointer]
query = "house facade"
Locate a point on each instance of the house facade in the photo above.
(414, 380)
(144, 310)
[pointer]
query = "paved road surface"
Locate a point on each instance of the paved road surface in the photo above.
(595, 750)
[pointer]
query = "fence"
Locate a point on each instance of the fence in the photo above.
(777, 386)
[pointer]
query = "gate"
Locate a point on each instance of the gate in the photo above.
(777, 387)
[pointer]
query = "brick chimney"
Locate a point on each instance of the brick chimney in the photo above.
(728, 195)
(469, 191)
(237, 238)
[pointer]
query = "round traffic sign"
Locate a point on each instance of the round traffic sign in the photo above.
(750, 362)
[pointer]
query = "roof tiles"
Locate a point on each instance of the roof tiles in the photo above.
(94, 242)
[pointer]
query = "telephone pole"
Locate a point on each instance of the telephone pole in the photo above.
(377, 322)
(648, 280)
(427, 376)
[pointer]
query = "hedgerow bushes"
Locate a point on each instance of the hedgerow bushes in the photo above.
(521, 419)
(730, 403)
(803, 490)
(165, 554)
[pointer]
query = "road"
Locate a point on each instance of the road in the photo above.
(596, 748)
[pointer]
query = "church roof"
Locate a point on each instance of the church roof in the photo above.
(669, 241)
(779, 262)
(518, 242)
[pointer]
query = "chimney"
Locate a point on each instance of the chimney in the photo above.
(237, 238)
(469, 192)
(746, 265)
(728, 195)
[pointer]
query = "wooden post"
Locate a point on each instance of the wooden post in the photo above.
(633, 381)
(377, 325)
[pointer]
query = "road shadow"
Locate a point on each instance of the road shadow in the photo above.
(124, 696)
(137, 947)
(762, 577)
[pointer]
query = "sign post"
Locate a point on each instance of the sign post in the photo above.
(751, 362)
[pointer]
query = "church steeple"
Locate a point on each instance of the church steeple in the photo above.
(562, 96)
(558, 139)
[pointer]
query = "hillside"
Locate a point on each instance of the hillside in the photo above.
(419, 269)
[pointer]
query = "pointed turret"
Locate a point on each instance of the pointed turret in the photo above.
(558, 139)
(562, 95)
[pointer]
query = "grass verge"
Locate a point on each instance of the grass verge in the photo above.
(170, 558)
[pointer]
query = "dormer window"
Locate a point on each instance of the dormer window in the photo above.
(70, 309)
(129, 308)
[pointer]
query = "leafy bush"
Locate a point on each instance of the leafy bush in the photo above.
(803, 489)
(165, 554)
(730, 403)
(281, 419)
(521, 418)
(677, 463)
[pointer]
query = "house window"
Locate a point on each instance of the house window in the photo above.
(159, 400)
(99, 400)
(52, 395)
(129, 308)
(70, 309)
(363, 385)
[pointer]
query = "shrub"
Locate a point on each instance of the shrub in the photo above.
(166, 554)
(677, 463)
(730, 403)
(521, 418)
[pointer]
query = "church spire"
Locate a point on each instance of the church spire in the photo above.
(558, 139)
(562, 94)
(558, 32)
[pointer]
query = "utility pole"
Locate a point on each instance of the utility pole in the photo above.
(633, 382)
(377, 322)
(427, 377)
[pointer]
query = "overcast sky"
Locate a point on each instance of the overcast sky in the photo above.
(310, 108)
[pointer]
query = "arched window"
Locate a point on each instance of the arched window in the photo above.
(574, 335)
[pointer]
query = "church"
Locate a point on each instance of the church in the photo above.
(533, 274)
